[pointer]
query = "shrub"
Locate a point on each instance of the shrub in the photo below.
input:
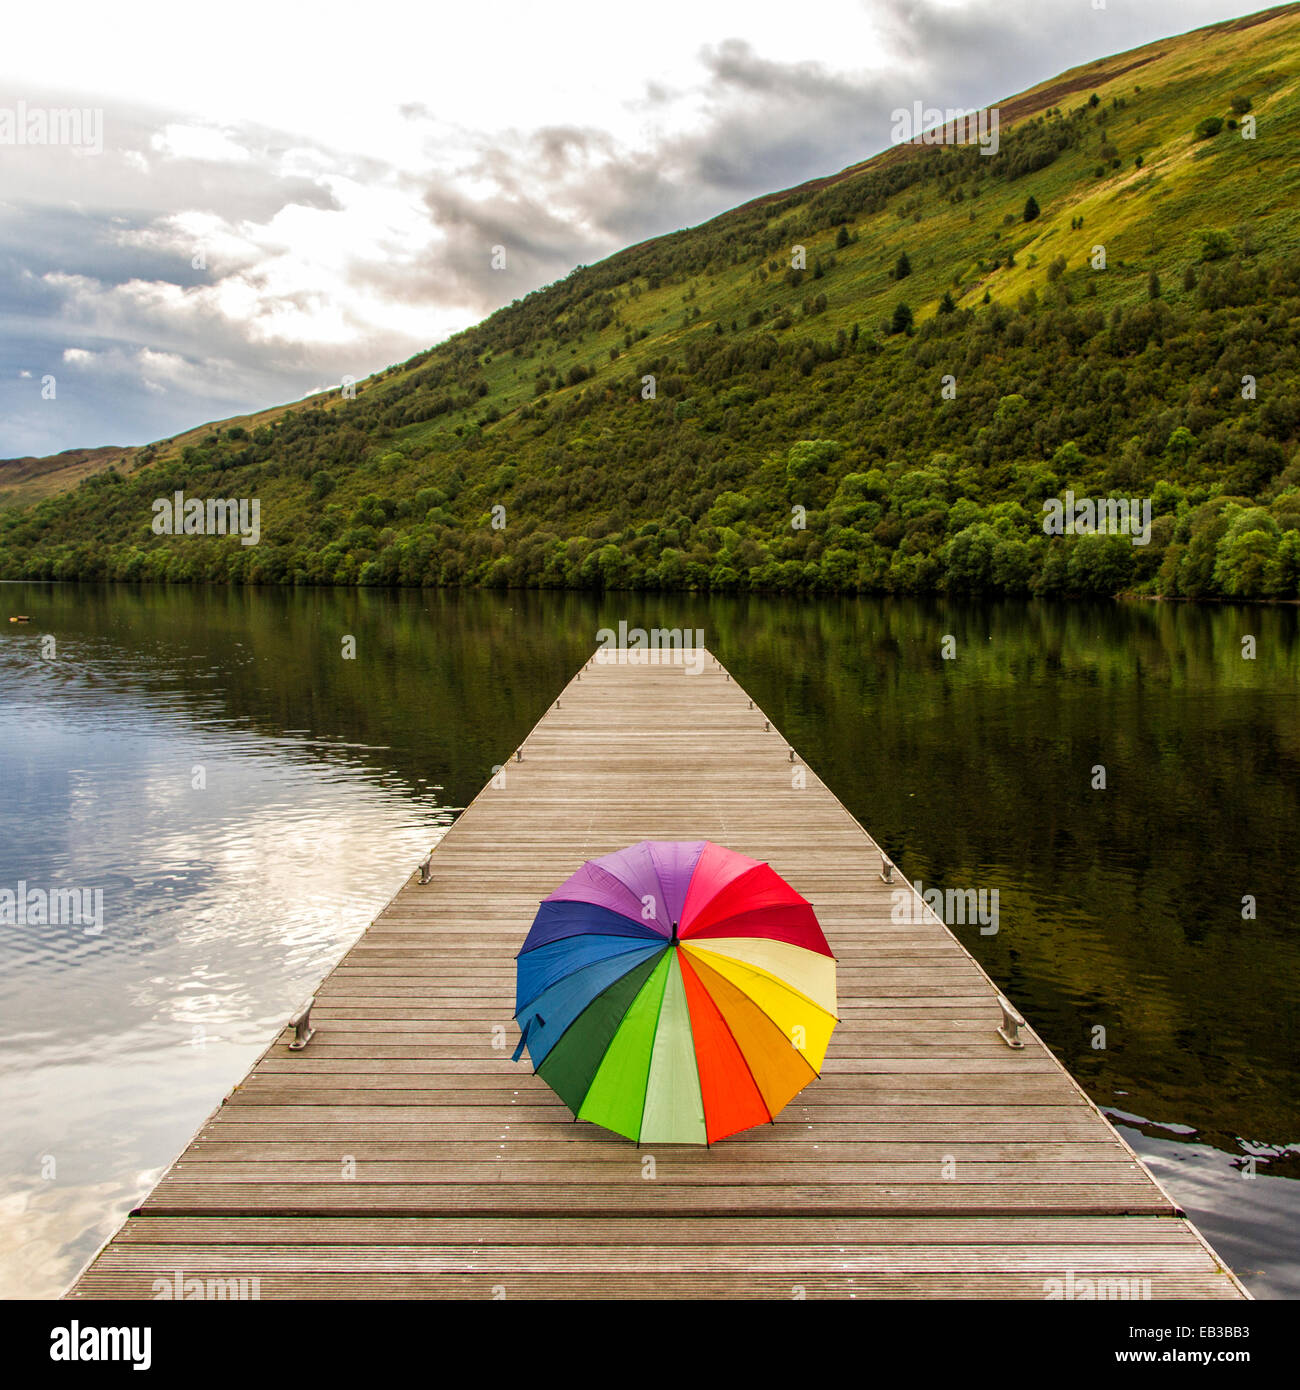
(811, 456)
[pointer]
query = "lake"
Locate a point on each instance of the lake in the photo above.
(246, 798)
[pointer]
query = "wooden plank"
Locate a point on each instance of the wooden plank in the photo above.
(659, 1260)
(480, 1279)
(403, 1154)
(175, 1196)
(568, 1149)
(978, 1231)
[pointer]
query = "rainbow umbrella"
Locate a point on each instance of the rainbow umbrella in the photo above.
(675, 992)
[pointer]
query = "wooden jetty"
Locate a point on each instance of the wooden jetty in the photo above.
(402, 1154)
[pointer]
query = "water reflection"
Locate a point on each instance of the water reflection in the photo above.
(236, 866)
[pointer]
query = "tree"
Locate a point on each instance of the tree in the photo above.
(1165, 497)
(968, 559)
(1031, 208)
(1153, 286)
(902, 268)
(842, 236)
(838, 569)
(809, 456)
(1283, 579)
(1209, 127)
(1245, 561)
(1180, 446)
(1014, 561)
(1100, 564)
(947, 304)
(902, 319)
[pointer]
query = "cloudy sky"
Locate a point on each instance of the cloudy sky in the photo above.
(288, 195)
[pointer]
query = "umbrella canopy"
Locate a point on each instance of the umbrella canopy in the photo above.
(675, 992)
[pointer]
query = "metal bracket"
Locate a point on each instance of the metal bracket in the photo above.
(303, 1032)
(886, 870)
(1012, 1023)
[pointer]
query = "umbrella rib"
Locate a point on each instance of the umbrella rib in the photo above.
(800, 900)
(780, 984)
(649, 932)
(762, 1099)
(582, 1011)
(573, 1022)
(769, 976)
(639, 943)
(654, 1036)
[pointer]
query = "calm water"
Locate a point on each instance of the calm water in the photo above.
(247, 800)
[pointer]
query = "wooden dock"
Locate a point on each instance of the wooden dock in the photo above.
(402, 1154)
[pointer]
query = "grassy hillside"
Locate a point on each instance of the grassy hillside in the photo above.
(26, 480)
(525, 451)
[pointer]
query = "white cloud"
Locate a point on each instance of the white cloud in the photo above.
(199, 142)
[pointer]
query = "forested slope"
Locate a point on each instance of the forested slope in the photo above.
(891, 416)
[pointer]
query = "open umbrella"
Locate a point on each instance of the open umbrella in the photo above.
(675, 992)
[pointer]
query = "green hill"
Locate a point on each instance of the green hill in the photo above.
(527, 451)
(27, 480)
